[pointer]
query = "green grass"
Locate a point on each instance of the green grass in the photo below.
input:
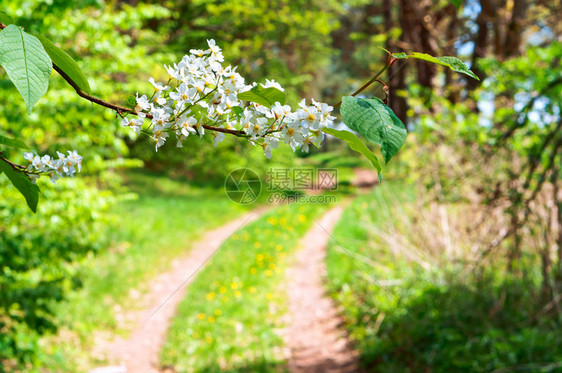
(441, 324)
(228, 319)
(148, 233)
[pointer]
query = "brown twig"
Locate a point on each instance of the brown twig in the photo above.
(385, 89)
(389, 63)
(15, 166)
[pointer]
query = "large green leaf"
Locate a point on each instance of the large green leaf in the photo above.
(22, 183)
(26, 62)
(376, 122)
(65, 63)
(355, 144)
(13, 143)
(5, 19)
(263, 96)
(452, 63)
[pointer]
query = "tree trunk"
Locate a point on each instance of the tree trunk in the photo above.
(481, 40)
(514, 30)
(396, 78)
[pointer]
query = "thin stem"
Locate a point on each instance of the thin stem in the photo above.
(386, 89)
(16, 167)
(389, 63)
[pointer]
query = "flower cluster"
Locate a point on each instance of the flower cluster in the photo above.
(203, 94)
(54, 167)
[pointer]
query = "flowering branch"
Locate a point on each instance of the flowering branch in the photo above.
(117, 108)
(203, 94)
(121, 109)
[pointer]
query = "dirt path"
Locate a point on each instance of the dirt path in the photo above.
(140, 352)
(365, 178)
(314, 335)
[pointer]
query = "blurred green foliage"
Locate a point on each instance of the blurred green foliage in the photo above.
(35, 255)
(406, 317)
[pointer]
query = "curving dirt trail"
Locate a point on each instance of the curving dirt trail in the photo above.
(316, 340)
(139, 352)
(314, 335)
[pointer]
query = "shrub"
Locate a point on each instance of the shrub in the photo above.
(37, 253)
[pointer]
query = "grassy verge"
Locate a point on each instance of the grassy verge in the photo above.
(432, 321)
(228, 319)
(149, 232)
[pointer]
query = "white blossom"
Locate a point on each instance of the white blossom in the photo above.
(202, 93)
(272, 84)
(134, 123)
(159, 136)
(217, 137)
(55, 168)
(158, 86)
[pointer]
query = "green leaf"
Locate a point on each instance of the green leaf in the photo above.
(65, 63)
(22, 183)
(400, 56)
(5, 19)
(263, 96)
(13, 143)
(376, 122)
(355, 144)
(26, 62)
(132, 100)
(451, 62)
(237, 110)
(456, 3)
